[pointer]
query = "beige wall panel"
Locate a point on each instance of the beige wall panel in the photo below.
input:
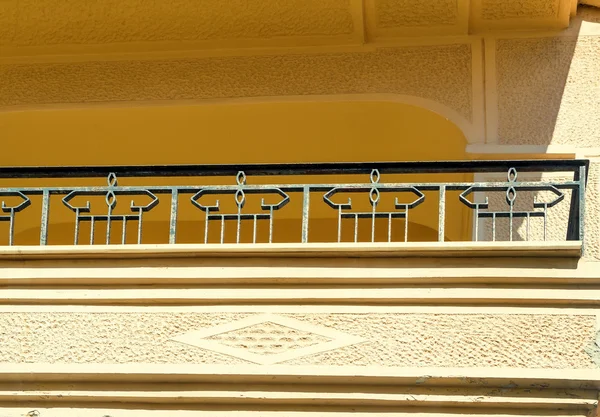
(439, 73)
(592, 212)
(549, 91)
(389, 340)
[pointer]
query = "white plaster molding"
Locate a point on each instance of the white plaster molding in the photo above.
(550, 150)
(305, 309)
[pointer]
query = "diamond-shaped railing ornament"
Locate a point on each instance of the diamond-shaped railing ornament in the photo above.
(133, 206)
(285, 198)
(348, 205)
(485, 204)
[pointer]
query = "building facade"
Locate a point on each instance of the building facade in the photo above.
(299, 208)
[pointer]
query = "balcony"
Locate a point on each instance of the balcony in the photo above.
(324, 206)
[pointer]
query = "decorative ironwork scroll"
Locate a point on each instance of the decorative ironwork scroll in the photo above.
(239, 192)
(374, 191)
(250, 208)
(83, 213)
(510, 189)
(12, 210)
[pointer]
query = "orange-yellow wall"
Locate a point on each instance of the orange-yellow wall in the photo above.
(235, 133)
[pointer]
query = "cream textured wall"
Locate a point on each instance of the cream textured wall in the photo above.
(540, 89)
(548, 88)
(388, 340)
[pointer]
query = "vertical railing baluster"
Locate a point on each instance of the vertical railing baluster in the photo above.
(140, 221)
(77, 222)
(11, 227)
(406, 224)
(124, 231)
(545, 219)
(45, 214)
(305, 212)
(92, 229)
(442, 214)
(271, 225)
(108, 225)
(206, 225)
(174, 211)
(476, 223)
(339, 224)
(222, 228)
(582, 185)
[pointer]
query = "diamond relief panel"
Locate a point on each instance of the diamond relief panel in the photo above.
(268, 339)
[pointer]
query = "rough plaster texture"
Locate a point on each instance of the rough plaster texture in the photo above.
(51, 22)
(549, 91)
(503, 9)
(408, 13)
(419, 71)
(405, 340)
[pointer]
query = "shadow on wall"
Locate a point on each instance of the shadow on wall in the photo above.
(548, 93)
(547, 87)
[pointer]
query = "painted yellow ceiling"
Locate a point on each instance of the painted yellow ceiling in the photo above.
(34, 27)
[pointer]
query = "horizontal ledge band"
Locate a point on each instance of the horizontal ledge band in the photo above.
(328, 250)
(304, 296)
(314, 395)
(289, 271)
(509, 378)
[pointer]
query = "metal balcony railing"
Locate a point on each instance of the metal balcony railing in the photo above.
(218, 197)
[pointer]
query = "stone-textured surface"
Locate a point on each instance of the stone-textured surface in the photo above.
(549, 91)
(439, 73)
(407, 340)
(50, 22)
(506, 9)
(408, 13)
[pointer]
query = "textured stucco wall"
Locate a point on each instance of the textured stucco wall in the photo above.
(402, 340)
(549, 87)
(503, 9)
(407, 13)
(52, 22)
(420, 71)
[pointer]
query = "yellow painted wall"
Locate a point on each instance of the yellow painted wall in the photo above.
(230, 134)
